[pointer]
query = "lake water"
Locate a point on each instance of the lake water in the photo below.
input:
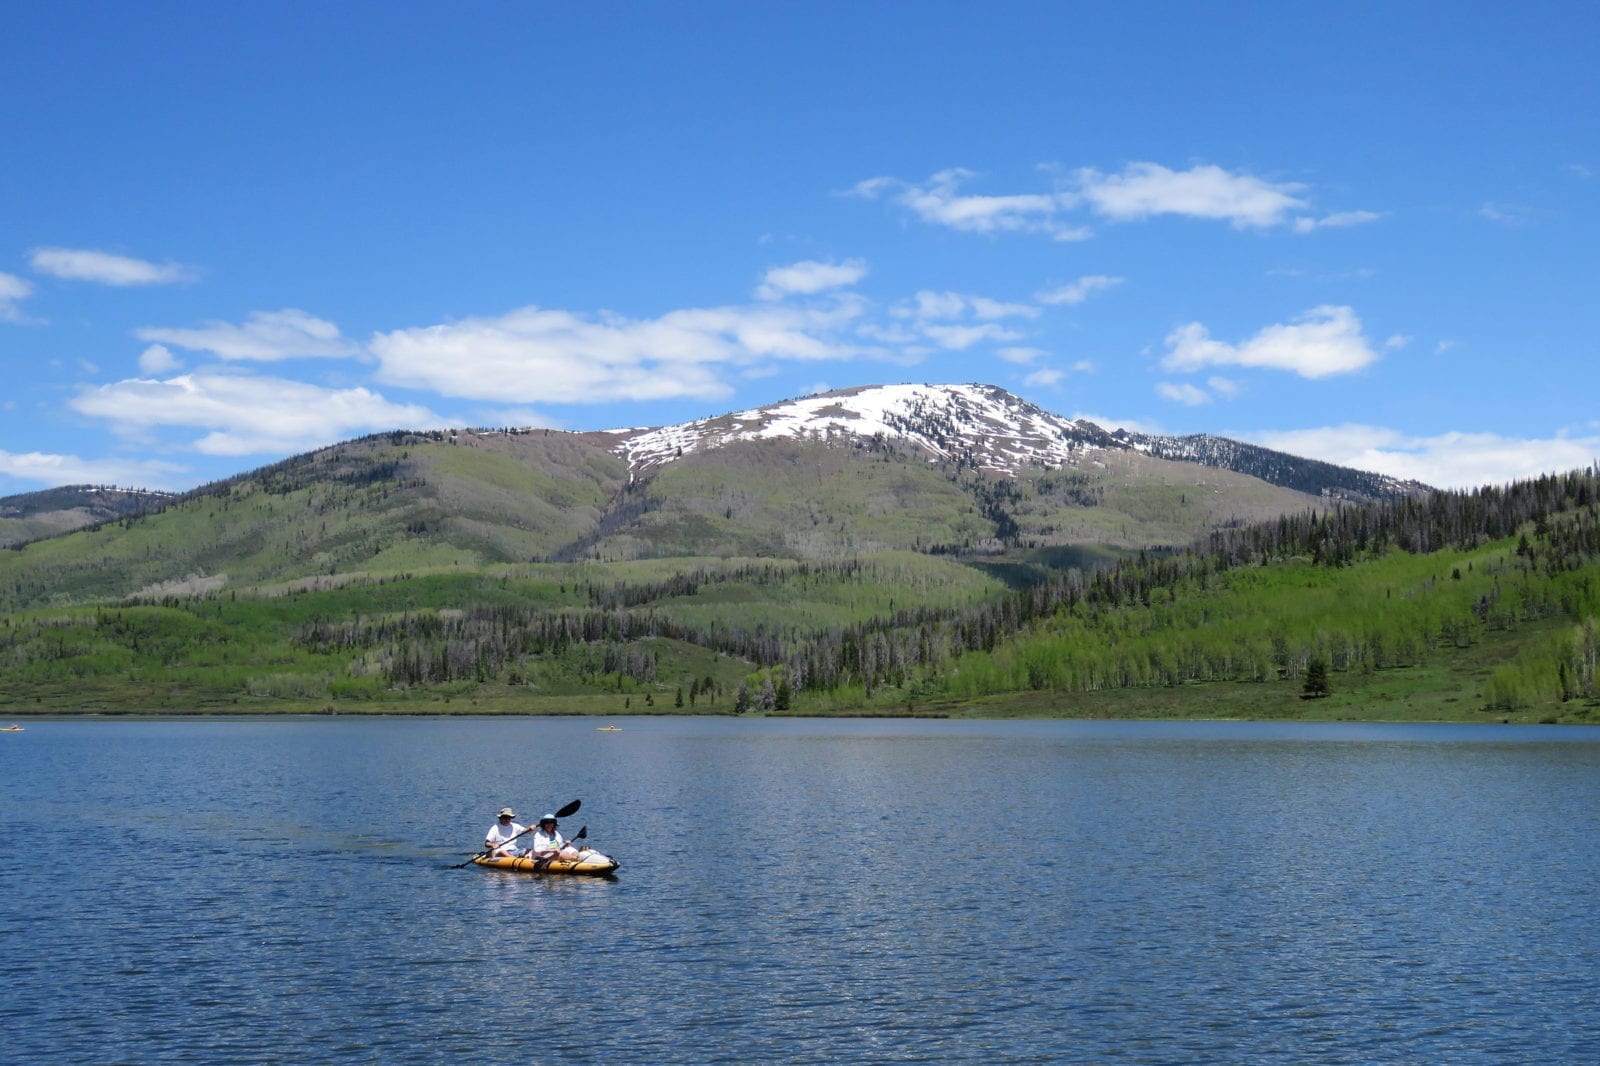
(224, 891)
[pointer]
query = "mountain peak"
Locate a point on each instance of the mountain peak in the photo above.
(981, 427)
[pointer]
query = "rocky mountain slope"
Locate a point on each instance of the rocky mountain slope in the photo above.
(982, 427)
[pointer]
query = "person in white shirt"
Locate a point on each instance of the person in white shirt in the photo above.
(498, 841)
(548, 843)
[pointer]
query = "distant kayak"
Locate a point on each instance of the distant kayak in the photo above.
(10, 729)
(609, 728)
(588, 862)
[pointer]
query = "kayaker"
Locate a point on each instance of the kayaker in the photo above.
(498, 840)
(548, 843)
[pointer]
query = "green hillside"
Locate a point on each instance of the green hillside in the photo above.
(404, 503)
(1477, 607)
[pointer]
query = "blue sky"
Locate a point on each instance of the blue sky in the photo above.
(231, 233)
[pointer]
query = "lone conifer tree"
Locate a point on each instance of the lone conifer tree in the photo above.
(1316, 685)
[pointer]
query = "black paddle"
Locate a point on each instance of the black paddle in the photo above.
(565, 812)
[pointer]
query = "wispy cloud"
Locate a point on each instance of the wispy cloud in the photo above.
(810, 277)
(1337, 220)
(939, 201)
(1324, 341)
(1183, 392)
(13, 290)
(1043, 378)
(1511, 215)
(958, 338)
(1447, 460)
(267, 336)
(1020, 355)
(105, 268)
(955, 321)
(48, 469)
(1076, 292)
(1142, 190)
(247, 414)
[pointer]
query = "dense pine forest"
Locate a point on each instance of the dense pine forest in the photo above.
(1505, 580)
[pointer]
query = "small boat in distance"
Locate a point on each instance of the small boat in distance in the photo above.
(609, 728)
(12, 728)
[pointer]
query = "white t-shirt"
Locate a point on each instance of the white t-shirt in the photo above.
(499, 835)
(543, 841)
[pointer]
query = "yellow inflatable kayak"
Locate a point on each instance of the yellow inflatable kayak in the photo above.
(588, 862)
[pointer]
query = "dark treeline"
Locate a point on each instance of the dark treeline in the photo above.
(1422, 524)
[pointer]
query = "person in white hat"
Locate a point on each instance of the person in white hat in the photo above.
(499, 840)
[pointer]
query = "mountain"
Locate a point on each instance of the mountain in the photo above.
(959, 471)
(51, 512)
(982, 427)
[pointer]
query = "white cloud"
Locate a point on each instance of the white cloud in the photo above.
(1146, 189)
(1397, 341)
(1513, 215)
(13, 290)
(1078, 291)
(1142, 190)
(82, 264)
(1443, 346)
(1022, 356)
(1110, 424)
(268, 336)
(955, 322)
(1325, 340)
(248, 415)
(958, 338)
(938, 201)
(157, 359)
(1448, 460)
(51, 470)
(931, 306)
(1337, 220)
(1083, 366)
(810, 277)
(516, 417)
(1223, 386)
(1184, 393)
(985, 308)
(533, 355)
(1043, 378)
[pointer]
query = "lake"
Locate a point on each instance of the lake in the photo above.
(792, 891)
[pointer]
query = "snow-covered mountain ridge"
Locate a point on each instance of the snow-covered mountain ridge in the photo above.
(983, 427)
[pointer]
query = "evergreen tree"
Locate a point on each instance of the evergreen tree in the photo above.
(1316, 685)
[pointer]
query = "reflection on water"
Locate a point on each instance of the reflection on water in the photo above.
(802, 891)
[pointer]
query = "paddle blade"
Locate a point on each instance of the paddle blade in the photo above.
(582, 833)
(570, 809)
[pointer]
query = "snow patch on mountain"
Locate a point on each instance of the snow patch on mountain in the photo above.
(978, 425)
(981, 427)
